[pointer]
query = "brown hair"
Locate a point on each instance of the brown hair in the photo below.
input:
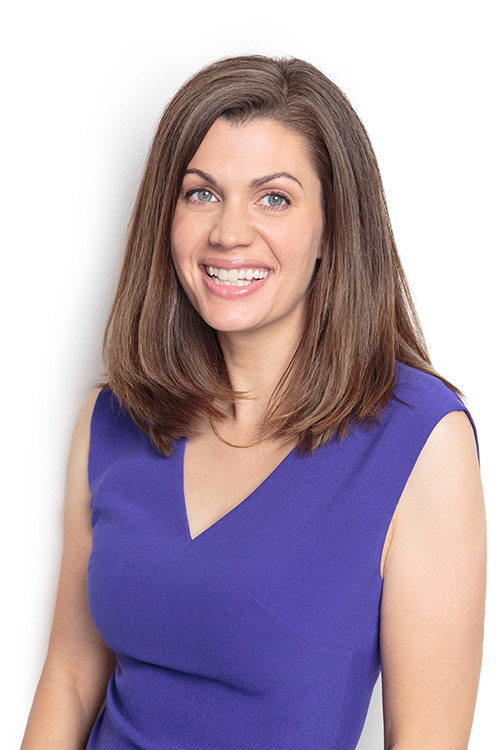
(165, 364)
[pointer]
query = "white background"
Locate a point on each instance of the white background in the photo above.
(84, 86)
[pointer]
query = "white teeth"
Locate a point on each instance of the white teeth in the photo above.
(235, 277)
(238, 282)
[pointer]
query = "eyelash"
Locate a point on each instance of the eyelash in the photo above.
(189, 193)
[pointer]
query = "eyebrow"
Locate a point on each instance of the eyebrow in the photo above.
(255, 183)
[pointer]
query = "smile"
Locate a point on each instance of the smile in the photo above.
(233, 283)
(235, 276)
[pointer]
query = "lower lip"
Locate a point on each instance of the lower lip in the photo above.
(232, 292)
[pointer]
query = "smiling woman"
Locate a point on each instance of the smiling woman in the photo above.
(237, 218)
(273, 497)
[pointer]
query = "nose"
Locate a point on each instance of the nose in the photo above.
(232, 226)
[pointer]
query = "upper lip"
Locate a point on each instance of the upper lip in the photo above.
(228, 263)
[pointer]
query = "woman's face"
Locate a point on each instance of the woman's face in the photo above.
(249, 208)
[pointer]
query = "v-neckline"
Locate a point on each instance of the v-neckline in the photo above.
(232, 511)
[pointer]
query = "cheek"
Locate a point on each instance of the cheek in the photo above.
(183, 244)
(179, 242)
(300, 246)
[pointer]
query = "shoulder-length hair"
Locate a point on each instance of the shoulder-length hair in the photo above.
(165, 364)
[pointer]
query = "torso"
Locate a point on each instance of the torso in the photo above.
(218, 477)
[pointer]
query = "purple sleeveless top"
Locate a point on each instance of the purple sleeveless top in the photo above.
(261, 632)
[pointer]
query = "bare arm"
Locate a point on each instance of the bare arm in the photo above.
(78, 664)
(432, 612)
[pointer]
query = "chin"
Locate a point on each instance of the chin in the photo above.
(225, 326)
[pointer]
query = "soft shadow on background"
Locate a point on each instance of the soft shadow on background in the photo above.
(84, 90)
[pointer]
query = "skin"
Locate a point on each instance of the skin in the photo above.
(433, 563)
(237, 220)
(433, 600)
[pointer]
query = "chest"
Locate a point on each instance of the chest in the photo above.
(301, 552)
(217, 478)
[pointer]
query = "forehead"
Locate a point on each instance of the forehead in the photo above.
(260, 146)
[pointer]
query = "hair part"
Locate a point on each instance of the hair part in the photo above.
(164, 362)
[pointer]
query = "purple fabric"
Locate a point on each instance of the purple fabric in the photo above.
(262, 632)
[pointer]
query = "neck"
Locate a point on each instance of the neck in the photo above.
(255, 361)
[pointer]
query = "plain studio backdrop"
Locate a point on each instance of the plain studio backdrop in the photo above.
(83, 88)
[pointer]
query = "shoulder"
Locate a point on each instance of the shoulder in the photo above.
(443, 462)
(76, 472)
(420, 388)
(443, 499)
(87, 409)
(421, 403)
(447, 459)
(81, 430)
(88, 405)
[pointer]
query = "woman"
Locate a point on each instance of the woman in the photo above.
(279, 495)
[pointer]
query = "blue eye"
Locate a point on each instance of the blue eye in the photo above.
(276, 200)
(204, 196)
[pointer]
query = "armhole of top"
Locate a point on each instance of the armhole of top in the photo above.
(91, 462)
(392, 524)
